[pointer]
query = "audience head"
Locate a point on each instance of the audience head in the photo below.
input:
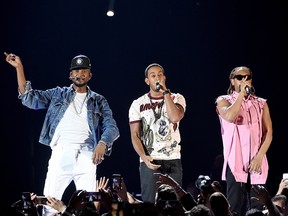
(88, 210)
(280, 201)
(167, 201)
(165, 192)
(206, 187)
(199, 210)
(219, 204)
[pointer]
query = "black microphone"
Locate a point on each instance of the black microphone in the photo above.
(247, 90)
(74, 78)
(158, 86)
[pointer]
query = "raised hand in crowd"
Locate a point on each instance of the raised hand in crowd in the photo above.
(262, 196)
(186, 198)
(102, 183)
(56, 204)
(282, 186)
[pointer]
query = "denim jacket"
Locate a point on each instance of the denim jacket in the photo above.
(56, 100)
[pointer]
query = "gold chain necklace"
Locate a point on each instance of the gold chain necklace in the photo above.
(81, 107)
(153, 107)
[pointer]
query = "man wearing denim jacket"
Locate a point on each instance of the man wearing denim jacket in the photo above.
(79, 127)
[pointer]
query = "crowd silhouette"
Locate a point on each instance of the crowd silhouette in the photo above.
(112, 198)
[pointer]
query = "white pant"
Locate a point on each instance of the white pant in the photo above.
(67, 165)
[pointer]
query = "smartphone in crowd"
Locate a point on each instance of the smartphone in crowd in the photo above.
(27, 202)
(117, 181)
(92, 196)
(40, 200)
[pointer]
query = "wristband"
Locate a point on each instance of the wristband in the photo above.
(102, 143)
(166, 92)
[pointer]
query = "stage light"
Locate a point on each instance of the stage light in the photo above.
(110, 11)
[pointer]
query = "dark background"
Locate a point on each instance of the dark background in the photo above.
(197, 42)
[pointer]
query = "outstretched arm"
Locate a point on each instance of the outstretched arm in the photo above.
(15, 61)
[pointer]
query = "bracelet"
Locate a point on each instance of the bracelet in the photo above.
(27, 86)
(102, 143)
(166, 92)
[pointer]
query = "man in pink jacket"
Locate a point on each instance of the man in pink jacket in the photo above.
(246, 130)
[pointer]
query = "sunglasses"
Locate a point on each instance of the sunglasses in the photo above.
(240, 77)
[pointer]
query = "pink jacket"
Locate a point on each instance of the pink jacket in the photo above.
(242, 140)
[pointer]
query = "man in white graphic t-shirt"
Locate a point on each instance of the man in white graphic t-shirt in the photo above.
(154, 125)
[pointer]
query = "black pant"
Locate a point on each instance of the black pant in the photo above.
(239, 195)
(148, 180)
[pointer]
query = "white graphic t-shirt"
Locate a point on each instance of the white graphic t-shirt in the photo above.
(160, 137)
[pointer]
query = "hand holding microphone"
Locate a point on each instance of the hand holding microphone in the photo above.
(247, 89)
(158, 86)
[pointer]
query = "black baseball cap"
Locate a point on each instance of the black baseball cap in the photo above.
(80, 62)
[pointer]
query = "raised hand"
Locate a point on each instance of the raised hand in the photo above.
(13, 59)
(56, 204)
(102, 183)
(165, 179)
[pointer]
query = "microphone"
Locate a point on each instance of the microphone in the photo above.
(247, 90)
(158, 86)
(74, 78)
